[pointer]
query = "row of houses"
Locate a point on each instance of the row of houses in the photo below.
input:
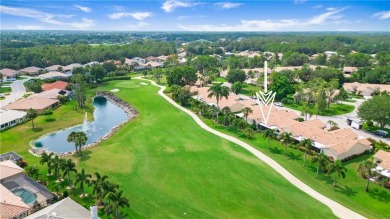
(365, 89)
(16, 112)
(23, 197)
(338, 144)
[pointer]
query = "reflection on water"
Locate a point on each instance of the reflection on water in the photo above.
(106, 116)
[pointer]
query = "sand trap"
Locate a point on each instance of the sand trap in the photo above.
(114, 90)
(143, 83)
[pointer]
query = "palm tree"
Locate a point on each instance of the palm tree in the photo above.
(219, 92)
(306, 111)
(322, 160)
(269, 134)
(56, 164)
(32, 114)
(98, 189)
(249, 133)
(337, 169)
(57, 188)
(82, 178)
(252, 93)
(213, 111)
(32, 171)
(117, 201)
(226, 111)
(246, 111)
(287, 139)
(47, 158)
(108, 188)
(332, 123)
(307, 144)
(365, 169)
(68, 166)
(79, 139)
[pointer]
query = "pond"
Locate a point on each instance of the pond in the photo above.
(106, 116)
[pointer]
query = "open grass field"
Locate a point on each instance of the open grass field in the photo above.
(170, 168)
(5, 89)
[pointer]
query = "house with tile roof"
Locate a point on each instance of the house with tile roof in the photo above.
(365, 89)
(8, 74)
(36, 103)
(9, 170)
(30, 71)
(55, 85)
(53, 75)
(11, 206)
(54, 68)
(382, 158)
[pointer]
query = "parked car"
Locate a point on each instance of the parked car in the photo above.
(381, 133)
(278, 104)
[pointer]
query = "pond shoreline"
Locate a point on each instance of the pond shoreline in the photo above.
(130, 111)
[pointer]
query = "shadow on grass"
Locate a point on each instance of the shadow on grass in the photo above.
(346, 190)
(276, 150)
(83, 155)
(37, 129)
(381, 196)
(293, 156)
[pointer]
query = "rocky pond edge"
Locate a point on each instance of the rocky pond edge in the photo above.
(130, 111)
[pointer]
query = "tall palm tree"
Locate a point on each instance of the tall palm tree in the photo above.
(32, 114)
(56, 164)
(365, 169)
(287, 139)
(117, 201)
(98, 189)
(218, 91)
(82, 178)
(306, 143)
(108, 188)
(68, 166)
(269, 134)
(246, 111)
(72, 138)
(226, 111)
(337, 169)
(322, 161)
(78, 138)
(214, 111)
(46, 158)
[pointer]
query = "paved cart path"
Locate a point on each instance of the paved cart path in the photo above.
(338, 209)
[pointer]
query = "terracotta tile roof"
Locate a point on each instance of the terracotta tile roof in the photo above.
(384, 157)
(349, 70)
(53, 68)
(291, 68)
(9, 168)
(8, 72)
(11, 205)
(36, 103)
(31, 69)
(363, 87)
(316, 123)
(343, 147)
(56, 85)
(347, 133)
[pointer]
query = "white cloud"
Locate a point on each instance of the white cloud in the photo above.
(227, 5)
(83, 8)
(136, 15)
(170, 5)
(48, 18)
(29, 27)
(270, 25)
(383, 15)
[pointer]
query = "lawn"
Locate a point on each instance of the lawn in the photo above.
(334, 109)
(170, 169)
(350, 190)
(5, 89)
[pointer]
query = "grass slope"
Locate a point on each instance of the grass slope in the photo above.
(169, 167)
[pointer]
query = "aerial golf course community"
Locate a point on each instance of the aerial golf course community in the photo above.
(163, 160)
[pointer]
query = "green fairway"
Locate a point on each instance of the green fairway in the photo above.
(170, 167)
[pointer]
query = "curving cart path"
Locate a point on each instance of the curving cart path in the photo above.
(338, 209)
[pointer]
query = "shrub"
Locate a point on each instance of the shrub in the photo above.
(38, 144)
(47, 112)
(370, 123)
(300, 119)
(63, 99)
(285, 100)
(23, 163)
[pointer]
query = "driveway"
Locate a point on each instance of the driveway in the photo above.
(18, 90)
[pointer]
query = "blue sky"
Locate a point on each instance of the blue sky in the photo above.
(193, 15)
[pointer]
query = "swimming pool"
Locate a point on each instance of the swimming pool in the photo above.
(26, 195)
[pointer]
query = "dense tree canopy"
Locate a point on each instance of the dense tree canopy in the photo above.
(281, 85)
(376, 109)
(236, 75)
(181, 76)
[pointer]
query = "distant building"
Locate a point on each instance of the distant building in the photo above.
(30, 71)
(69, 68)
(365, 89)
(349, 70)
(52, 94)
(53, 68)
(382, 158)
(56, 85)
(8, 74)
(9, 118)
(53, 75)
(36, 103)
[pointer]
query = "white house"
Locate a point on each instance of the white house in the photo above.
(11, 118)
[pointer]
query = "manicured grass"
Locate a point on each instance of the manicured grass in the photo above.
(220, 79)
(169, 167)
(350, 190)
(334, 109)
(5, 89)
(350, 100)
(248, 87)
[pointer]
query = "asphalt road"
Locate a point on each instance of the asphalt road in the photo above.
(18, 90)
